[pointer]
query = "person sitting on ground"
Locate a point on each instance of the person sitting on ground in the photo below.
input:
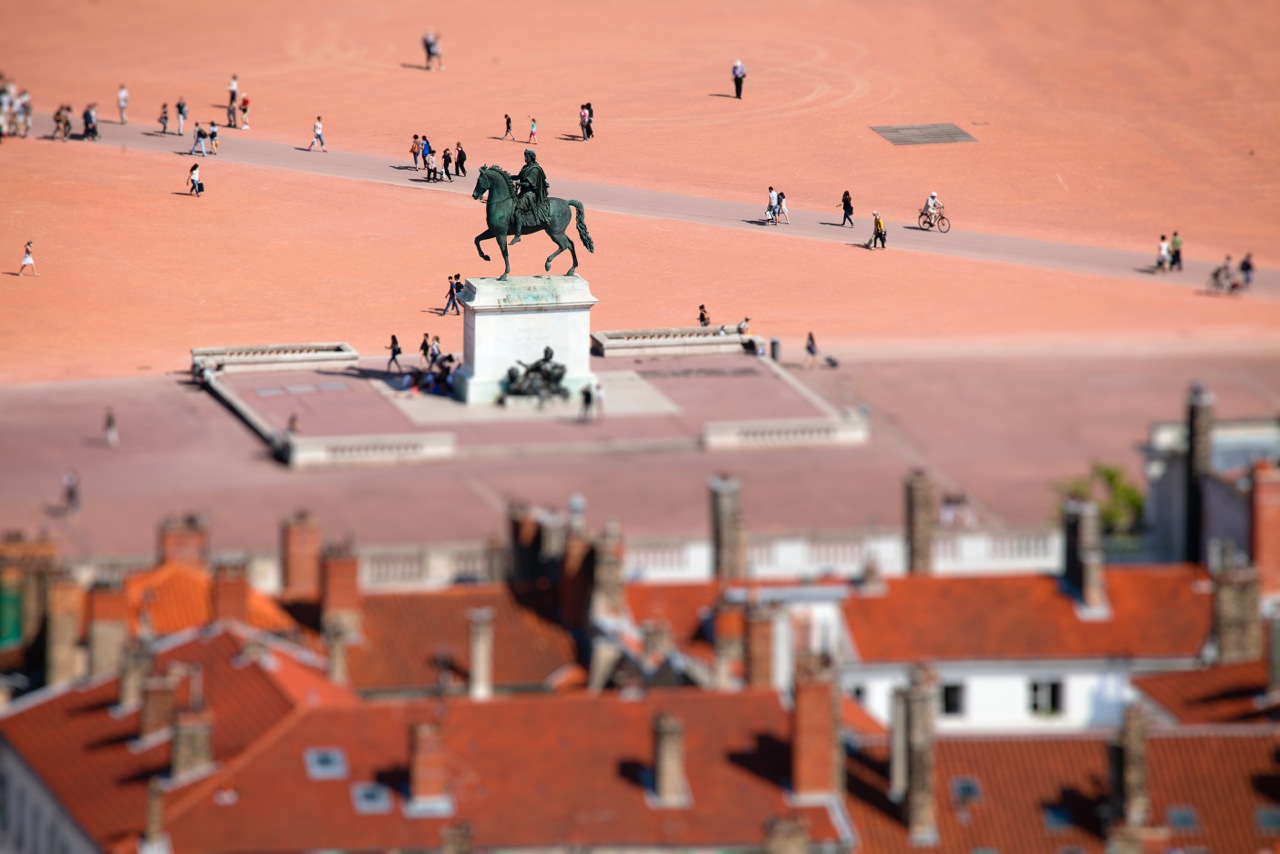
(932, 207)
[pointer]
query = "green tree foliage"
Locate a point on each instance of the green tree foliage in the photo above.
(1119, 499)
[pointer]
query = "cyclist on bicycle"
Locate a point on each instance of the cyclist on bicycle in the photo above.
(932, 207)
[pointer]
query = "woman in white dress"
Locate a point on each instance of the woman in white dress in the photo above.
(27, 260)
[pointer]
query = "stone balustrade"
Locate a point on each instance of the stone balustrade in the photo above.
(271, 357)
(311, 451)
(784, 433)
(674, 341)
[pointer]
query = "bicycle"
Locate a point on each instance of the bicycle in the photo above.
(927, 222)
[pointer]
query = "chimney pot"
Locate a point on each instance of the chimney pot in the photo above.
(1273, 659)
(728, 530)
(816, 753)
(1084, 565)
(1236, 619)
(137, 662)
(300, 547)
(919, 496)
(1134, 807)
(1200, 404)
(921, 799)
(185, 540)
(340, 582)
(760, 645)
(231, 593)
(428, 772)
(192, 746)
(607, 594)
(656, 639)
(108, 627)
(158, 694)
(63, 629)
(481, 658)
(1264, 525)
(668, 775)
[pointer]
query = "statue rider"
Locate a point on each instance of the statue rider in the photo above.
(531, 204)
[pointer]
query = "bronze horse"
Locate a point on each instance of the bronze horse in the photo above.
(500, 208)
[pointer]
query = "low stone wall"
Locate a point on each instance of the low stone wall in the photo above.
(675, 341)
(309, 451)
(784, 433)
(272, 357)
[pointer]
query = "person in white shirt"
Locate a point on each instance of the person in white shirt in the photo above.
(317, 132)
(122, 100)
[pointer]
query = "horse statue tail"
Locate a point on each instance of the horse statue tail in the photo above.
(582, 225)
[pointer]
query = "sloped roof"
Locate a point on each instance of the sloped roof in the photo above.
(1156, 612)
(82, 748)
(524, 771)
(177, 595)
(408, 635)
(1221, 693)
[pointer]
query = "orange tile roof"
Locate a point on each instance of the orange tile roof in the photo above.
(524, 771)
(178, 595)
(1163, 611)
(1222, 693)
(1213, 771)
(70, 737)
(407, 634)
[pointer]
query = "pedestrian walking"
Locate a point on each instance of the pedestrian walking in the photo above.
(198, 139)
(782, 208)
(431, 44)
(70, 491)
(446, 161)
(1163, 256)
(739, 74)
(460, 162)
(181, 109)
(704, 319)
(582, 121)
(451, 299)
(771, 212)
(164, 118)
(415, 148)
(810, 351)
(394, 347)
(110, 432)
(244, 110)
(1246, 268)
(233, 100)
(508, 132)
(435, 351)
(588, 395)
(846, 202)
(317, 135)
(425, 349)
(599, 401)
(429, 161)
(122, 101)
(213, 136)
(533, 130)
(193, 178)
(1175, 248)
(591, 133)
(27, 260)
(877, 231)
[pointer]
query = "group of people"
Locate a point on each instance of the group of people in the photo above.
(1224, 278)
(777, 207)
(15, 109)
(431, 46)
(932, 208)
(533, 126)
(453, 161)
(1169, 254)
(433, 374)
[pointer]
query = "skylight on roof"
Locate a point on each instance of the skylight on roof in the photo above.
(1182, 818)
(370, 798)
(965, 790)
(1057, 817)
(325, 763)
(1268, 819)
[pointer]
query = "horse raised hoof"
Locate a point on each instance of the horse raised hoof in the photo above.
(484, 256)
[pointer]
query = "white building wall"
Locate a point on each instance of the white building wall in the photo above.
(33, 821)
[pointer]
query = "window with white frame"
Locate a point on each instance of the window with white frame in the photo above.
(1046, 697)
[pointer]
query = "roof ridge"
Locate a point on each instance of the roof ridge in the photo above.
(201, 787)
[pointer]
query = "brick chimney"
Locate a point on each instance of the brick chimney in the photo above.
(655, 638)
(1264, 525)
(192, 746)
(898, 744)
(919, 494)
(1198, 464)
(108, 627)
(1273, 659)
(335, 640)
(921, 808)
(62, 616)
(1131, 807)
(480, 668)
(669, 786)
(576, 571)
(607, 592)
(300, 547)
(158, 693)
(231, 592)
(759, 646)
(1237, 625)
(728, 532)
(456, 839)
(340, 589)
(135, 667)
(153, 836)
(428, 764)
(1083, 563)
(817, 766)
(186, 540)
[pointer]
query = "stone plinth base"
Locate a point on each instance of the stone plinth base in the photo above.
(512, 321)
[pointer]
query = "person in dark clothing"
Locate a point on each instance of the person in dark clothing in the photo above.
(394, 347)
(460, 162)
(847, 203)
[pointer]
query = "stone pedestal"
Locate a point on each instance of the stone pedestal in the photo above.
(506, 322)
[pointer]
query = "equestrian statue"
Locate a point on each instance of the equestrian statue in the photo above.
(521, 205)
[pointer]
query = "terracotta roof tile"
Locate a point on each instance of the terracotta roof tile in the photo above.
(406, 634)
(178, 596)
(1220, 693)
(71, 738)
(504, 779)
(1163, 611)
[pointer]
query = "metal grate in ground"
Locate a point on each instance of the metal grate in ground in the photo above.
(923, 134)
